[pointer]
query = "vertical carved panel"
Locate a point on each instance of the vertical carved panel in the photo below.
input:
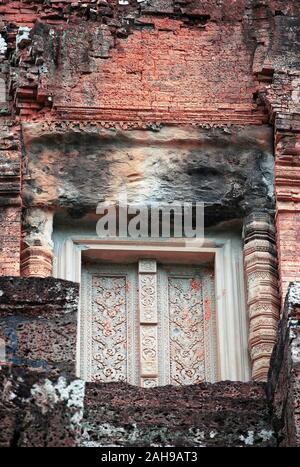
(148, 326)
(209, 323)
(148, 322)
(109, 337)
(109, 329)
(262, 290)
(187, 359)
(148, 298)
(188, 326)
(149, 350)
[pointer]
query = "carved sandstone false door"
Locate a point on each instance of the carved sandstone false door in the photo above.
(148, 324)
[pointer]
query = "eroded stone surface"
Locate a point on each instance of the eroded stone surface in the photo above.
(39, 409)
(220, 414)
(230, 170)
(38, 322)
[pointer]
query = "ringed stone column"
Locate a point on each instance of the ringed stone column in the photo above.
(262, 290)
(37, 245)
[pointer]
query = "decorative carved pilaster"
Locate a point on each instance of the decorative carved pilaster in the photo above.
(36, 252)
(148, 322)
(262, 290)
(36, 261)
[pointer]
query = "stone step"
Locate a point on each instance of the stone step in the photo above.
(220, 414)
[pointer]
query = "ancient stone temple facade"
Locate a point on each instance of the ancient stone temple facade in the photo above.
(157, 101)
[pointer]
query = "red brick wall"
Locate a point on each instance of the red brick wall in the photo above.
(10, 200)
(287, 190)
(288, 241)
(10, 237)
(169, 72)
(170, 61)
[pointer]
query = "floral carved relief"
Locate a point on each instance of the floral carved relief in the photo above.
(187, 360)
(187, 327)
(109, 329)
(148, 298)
(109, 334)
(148, 328)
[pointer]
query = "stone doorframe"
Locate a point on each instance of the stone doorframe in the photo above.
(227, 257)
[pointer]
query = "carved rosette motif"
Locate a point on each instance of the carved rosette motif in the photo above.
(149, 350)
(262, 290)
(148, 382)
(147, 266)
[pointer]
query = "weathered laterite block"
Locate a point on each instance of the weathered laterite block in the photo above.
(220, 414)
(38, 322)
(38, 409)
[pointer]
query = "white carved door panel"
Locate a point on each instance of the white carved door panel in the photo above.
(108, 331)
(187, 326)
(148, 324)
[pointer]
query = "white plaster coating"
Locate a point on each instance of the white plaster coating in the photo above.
(248, 440)
(3, 45)
(48, 394)
(41, 227)
(23, 34)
